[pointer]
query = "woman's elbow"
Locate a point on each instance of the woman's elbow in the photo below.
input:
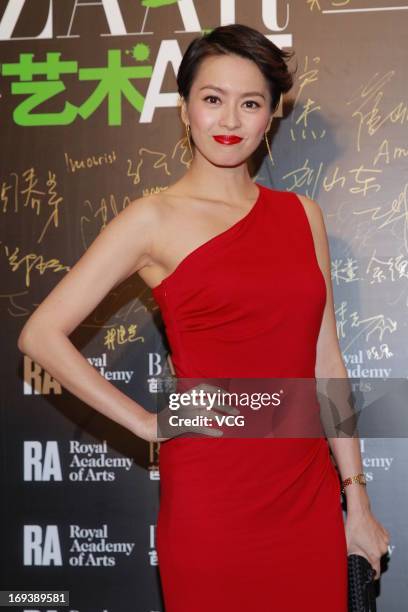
(29, 337)
(23, 342)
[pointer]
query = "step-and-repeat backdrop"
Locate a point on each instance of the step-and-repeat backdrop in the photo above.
(89, 122)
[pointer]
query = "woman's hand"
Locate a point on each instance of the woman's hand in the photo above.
(366, 536)
(160, 424)
(150, 429)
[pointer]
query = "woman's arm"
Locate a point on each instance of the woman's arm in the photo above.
(330, 365)
(121, 248)
(365, 535)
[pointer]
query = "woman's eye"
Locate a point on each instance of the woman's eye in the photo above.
(213, 97)
(247, 102)
(252, 102)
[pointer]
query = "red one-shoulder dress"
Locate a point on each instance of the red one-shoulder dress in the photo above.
(249, 523)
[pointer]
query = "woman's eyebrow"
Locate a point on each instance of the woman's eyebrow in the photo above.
(248, 93)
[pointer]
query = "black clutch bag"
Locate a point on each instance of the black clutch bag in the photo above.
(361, 591)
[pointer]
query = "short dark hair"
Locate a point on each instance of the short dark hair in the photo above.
(241, 40)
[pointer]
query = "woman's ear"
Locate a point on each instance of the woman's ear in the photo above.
(183, 110)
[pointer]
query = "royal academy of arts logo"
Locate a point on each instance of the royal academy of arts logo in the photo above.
(41, 461)
(37, 381)
(42, 546)
(50, 460)
(91, 547)
(100, 362)
(375, 463)
(86, 547)
(369, 363)
(94, 462)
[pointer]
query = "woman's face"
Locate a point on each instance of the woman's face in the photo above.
(229, 97)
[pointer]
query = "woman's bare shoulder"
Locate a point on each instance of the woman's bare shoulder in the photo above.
(143, 209)
(312, 208)
(317, 224)
(315, 216)
(153, 208)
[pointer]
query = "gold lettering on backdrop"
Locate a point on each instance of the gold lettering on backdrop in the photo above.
(180, 154)
(53, 204)
(387, 269)
(344, 6)
(32, 197)
(31, 262)
(308, 76)
(344, 271)
(93, 161)
(377, 324)
(363, 182)
(153, 190)
(160, 163)
(307, 176)
(121, 335)
(356, 361)
(313, 4)
(11, 304)
(384, 151)
(378, 270)
(330, 182)
(340, 3)
(383, 351)
(308, 107)
(368, 112)
(400, 152)
(300, 121)
(394, 212)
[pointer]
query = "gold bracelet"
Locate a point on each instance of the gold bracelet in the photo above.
(358, 478)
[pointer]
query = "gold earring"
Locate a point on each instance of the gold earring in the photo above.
(188, 132)
(268, 147)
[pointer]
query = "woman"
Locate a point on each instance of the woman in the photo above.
(244, 523)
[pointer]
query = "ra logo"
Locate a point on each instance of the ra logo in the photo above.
(41, 545)
(41, 461)
(38, 381)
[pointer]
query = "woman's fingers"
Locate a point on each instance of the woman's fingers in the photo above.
(366, 536)
(209, 426)
(375, 557)
(205, 408)
(376, 566)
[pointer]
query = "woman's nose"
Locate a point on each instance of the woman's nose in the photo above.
(230, 117)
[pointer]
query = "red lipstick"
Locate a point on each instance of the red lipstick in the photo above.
(228, 140)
